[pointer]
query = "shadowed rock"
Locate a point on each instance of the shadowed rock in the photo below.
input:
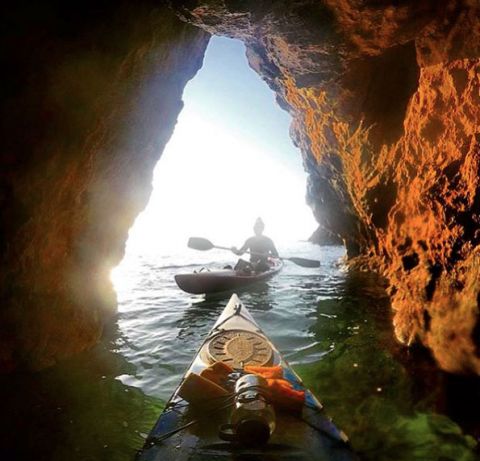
(90, 97)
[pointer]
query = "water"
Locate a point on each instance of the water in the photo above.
(332, 325)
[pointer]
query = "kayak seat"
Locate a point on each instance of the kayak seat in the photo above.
(243, 266)
(201, 270)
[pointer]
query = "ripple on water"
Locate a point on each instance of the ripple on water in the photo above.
(334, 326)
(330, 323)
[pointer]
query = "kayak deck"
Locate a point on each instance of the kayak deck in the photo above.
(307, 436)
(207, 282)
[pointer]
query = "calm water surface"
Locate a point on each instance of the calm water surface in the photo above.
(332, 325)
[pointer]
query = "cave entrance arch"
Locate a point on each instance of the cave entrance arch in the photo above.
(229, 160)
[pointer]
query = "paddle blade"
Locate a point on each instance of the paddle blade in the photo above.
(305, 262)
(199, 243)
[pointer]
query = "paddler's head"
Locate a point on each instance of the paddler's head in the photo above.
(258, 227)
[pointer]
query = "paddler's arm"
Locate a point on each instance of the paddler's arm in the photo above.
(242, 250)
(273, 249)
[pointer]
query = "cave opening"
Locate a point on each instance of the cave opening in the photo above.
(230, 160)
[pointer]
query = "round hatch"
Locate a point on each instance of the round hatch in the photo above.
(239, 348)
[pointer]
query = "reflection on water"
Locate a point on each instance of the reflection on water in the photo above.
(367, 385)
(259, 295)
(332, 325)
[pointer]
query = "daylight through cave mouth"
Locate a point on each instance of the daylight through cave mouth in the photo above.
(230, 160)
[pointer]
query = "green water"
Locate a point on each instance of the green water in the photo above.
(76, 411)
(371, 394)
(333, 326)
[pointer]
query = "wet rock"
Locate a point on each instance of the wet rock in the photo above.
(324, 237)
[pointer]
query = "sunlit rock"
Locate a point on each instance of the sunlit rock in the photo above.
(385, 101)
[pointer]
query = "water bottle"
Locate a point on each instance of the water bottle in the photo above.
(253, 419)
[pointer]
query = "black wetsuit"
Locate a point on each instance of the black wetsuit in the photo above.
(259, 244)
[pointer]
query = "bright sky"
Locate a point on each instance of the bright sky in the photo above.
(229, 161)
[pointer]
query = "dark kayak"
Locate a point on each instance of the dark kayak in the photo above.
(184, 432)
(223, 280)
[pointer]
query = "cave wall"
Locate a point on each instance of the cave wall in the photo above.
(384, 98)
(90, 95)
(385, 103)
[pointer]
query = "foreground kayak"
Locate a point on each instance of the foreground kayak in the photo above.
(206, 282)
(183, 432)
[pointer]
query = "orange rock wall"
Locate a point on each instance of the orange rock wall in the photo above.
(433, 234)
(385, 104)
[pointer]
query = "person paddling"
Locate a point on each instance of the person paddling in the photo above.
(261, 248)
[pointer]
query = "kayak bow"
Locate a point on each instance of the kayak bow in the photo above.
(184, 432)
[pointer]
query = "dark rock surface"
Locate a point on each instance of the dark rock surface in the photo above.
(90, 96)
(322, 236)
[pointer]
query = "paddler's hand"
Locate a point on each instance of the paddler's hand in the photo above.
(235, 250)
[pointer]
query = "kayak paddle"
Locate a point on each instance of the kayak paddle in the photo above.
(202, 244)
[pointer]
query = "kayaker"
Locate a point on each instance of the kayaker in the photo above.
(261, 248)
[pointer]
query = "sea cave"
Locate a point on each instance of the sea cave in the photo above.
(385, 106)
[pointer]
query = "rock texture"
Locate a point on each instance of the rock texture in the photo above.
(322, 236)
(90, 96)
(385, 99)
